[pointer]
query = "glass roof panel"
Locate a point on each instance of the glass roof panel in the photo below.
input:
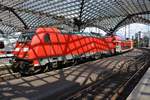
(107, 14)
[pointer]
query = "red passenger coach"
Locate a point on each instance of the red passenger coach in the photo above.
(48, 46)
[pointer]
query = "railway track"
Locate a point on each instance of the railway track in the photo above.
(131, 67)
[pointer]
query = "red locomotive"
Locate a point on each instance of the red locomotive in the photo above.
(48, 46)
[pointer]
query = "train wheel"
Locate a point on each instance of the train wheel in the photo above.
(75, 62)
(46, 68)
(15, 67)
(97, 56)
(24, 69)
(54, 65)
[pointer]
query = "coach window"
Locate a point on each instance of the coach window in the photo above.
(47, 38)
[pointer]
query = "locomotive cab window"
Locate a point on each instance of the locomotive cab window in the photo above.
(47, 38)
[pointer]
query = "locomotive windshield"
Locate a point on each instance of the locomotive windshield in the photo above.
(24, 37)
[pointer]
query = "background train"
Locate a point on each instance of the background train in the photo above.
(7, 43)
(46, 47)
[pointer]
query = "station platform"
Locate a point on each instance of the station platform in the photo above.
(142, 89)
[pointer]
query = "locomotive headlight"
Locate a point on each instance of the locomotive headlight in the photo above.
(25, 49)
(17, 49)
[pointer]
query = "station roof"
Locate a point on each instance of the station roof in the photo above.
(108, 15)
